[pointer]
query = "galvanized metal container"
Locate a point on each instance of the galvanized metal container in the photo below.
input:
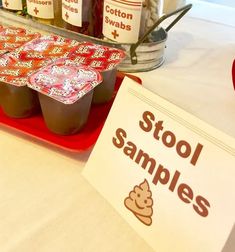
(148, 53)
(145, 55)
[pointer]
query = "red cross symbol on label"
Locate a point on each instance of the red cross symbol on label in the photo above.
(115, 34)
(67, 15)
(36, 10)
(6, 3)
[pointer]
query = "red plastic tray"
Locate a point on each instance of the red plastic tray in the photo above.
(35, 126)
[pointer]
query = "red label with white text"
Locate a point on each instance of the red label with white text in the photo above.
(99, 57)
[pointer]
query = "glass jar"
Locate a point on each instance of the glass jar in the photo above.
(151, 12)
(58, 21)
(77, 15)
(97, 17)
(14, 5)
(172, 5)
(45, 11)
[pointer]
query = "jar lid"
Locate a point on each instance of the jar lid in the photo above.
(66, 84)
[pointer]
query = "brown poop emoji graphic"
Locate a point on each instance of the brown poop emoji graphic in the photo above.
(140, 203)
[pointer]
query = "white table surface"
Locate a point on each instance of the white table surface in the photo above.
(45, 203)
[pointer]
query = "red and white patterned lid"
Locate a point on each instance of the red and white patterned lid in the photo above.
(15, 67)
(51, 46)
(12, 38)
(100, 57)
(66, 84)
(15, 72)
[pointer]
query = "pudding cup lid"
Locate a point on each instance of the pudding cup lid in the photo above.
(65, 83)
(16, 66)
(102, 58)
(16, 72)
(12, 38)
(51, 46)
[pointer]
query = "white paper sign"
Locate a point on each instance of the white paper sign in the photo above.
(169, 175)
(41, 9)
(121, 21)
(12, 4)
(72, 12)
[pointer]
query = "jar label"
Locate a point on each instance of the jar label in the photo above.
(41, 9)
(12, 4)
(121, 20)
(72, 12)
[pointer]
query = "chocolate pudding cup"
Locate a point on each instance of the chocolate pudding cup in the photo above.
(103, 59)
(18, 102)
(65, 95)
(65, 119)
(104, 91)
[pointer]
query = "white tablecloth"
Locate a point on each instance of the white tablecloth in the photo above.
(45, 203)
(197, 73)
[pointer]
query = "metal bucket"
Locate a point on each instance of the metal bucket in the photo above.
(141, 56)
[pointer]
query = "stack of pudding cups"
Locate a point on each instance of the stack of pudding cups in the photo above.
(11, 38)
(103, 59)
(65, 95)
(16, 99)
(59, 77)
